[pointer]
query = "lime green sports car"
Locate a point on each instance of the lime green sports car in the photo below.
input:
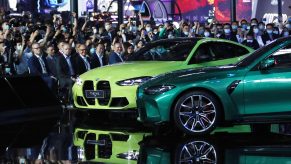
(108, 146)
(114, 87)
(255, 91)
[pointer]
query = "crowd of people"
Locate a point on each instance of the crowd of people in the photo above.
(60, 51)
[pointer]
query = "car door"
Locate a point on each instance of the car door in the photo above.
(269, 91)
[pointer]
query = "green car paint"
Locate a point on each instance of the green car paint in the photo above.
(254, 90)
(108, 146)
(147, 63)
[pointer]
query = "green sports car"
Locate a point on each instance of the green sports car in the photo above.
(114, 87)
(255, 91)
(115, 146)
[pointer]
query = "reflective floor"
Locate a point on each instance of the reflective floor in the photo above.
(71, 142)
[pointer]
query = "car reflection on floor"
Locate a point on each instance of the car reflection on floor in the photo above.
(225, 145)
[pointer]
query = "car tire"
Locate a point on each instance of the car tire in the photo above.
(261, 128)
(197, 113)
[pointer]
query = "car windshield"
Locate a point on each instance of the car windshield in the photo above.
(166, 51)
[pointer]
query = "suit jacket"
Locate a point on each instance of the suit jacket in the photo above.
(79, 65)
(52, 65)
(34, 65)
(96, 63)
(114, 58)
(266, 37)
(62, 67)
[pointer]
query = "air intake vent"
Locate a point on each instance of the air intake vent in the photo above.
(88, 85)
(105, 86)
(119, 102)
(89, 148)
(105, 151)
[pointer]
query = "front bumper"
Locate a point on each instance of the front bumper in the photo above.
(115, 96)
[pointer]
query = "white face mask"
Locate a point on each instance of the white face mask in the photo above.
(148, 29)
(256, 30)
(186, 33)
(18, 47)
(29, 55)
(206, 34)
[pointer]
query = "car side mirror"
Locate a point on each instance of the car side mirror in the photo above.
(267, 63)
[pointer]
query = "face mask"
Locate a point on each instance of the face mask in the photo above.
(286, 33)
(170, 36)
(186, 33)
(269, 31)
(18, 47)
(227, 31)
(276, 32)
(148, 29)
(262, 27)
(64, 29)
(6, 27)
(234, 27)
(244, 26)
(107, 27)
(256, 30)
(249, 40)
(254, 24)
(206, 34)
(92, 50)
(29, 55)
(161, 28)
(155, 32)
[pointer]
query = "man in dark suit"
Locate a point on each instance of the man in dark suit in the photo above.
(268, 35)
(65, 72)
(38, 66)
(51, 60)
(99, 59)
(81, 62)
(115, 57)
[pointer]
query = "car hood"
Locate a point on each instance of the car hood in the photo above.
(132, 69)
(199, 74)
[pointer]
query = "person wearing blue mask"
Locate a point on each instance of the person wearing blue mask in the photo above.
(228, 33)
(285, 32)
(250, 41)
(234, 27)
(256, 34)
(268, 35)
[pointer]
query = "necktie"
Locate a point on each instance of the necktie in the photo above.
(42, 65)
(100, 60)
(70, 65)
(86, 63)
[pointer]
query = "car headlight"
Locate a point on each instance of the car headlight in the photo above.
(153, 90)
(79, 81)
(133, 81)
